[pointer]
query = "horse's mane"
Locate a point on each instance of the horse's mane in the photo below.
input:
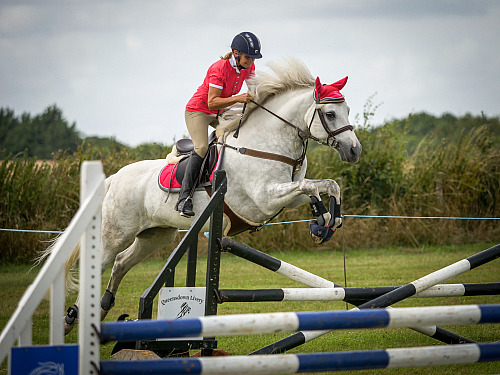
(289, 74)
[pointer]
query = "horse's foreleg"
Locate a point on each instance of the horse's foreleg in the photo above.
(297, 192)
(331, 188)
(326, 220)
(146, 243)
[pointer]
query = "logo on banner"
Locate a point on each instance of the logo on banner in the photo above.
(51, 368)
(185, 309)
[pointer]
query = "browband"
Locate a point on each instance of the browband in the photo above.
(328, 100)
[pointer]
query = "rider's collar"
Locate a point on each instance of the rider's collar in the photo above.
(234, 64)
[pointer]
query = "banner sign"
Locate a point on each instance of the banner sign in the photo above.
(181, 303)
(54, 360)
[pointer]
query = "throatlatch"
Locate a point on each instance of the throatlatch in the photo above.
(319, 229)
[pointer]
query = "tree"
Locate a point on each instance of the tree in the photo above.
(8, 121)
(40, 135)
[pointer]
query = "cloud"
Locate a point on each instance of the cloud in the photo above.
(127, 68)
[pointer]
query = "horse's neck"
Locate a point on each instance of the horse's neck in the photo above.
(272, 134)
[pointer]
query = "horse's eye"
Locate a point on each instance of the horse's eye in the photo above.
(330, 115)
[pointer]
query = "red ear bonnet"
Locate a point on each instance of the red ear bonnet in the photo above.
(325, 93)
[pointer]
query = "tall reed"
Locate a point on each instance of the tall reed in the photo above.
(450, 179)
(44, 195)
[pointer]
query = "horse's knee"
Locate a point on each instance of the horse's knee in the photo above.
(333, 189)
(310, 188)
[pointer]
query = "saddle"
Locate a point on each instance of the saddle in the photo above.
(170, 177)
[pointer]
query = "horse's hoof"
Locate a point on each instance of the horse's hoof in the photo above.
(320, 233)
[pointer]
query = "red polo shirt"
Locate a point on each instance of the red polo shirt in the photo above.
(223, 75)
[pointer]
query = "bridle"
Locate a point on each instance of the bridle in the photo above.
(306, 135)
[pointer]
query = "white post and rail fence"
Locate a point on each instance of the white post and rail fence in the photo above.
(84, 229)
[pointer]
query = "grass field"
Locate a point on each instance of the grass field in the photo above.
(382, 267)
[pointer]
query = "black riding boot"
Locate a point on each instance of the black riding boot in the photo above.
(189, 182)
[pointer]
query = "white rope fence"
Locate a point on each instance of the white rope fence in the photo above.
(304, 221)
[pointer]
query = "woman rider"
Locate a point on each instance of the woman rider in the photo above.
(219, 90)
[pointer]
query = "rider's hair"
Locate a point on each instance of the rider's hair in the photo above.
(227, 56)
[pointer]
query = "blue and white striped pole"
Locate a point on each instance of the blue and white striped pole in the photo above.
(312, 362)
(245, 324)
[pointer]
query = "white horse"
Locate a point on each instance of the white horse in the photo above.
(136, 220)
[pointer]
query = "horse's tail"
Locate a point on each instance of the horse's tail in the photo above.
(71, 280)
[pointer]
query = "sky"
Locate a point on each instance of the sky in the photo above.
(126, 69)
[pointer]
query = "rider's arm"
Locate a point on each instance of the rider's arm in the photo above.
(216, 102)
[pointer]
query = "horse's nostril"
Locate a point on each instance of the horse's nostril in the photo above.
(355, 152)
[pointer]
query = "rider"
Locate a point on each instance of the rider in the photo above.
(223, 81)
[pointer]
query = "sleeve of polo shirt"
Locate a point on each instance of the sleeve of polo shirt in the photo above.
(216, 77)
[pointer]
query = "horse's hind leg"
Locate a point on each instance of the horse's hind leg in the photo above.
(113, 242)
(146, 243)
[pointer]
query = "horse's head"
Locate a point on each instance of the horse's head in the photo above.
(331, 125)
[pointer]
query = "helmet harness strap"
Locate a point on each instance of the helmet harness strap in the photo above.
(237, 58)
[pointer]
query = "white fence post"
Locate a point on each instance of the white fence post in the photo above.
(85, 225)
(90, 279)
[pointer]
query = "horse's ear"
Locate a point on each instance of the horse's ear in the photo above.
(319, 88)
(339, 85)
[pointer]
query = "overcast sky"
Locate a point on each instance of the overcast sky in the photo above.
(127, 68)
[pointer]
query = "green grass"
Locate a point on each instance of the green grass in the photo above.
(382, 267)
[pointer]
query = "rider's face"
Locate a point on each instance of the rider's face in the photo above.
(245, 61)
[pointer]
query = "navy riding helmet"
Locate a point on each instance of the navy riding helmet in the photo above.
(247, 43)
